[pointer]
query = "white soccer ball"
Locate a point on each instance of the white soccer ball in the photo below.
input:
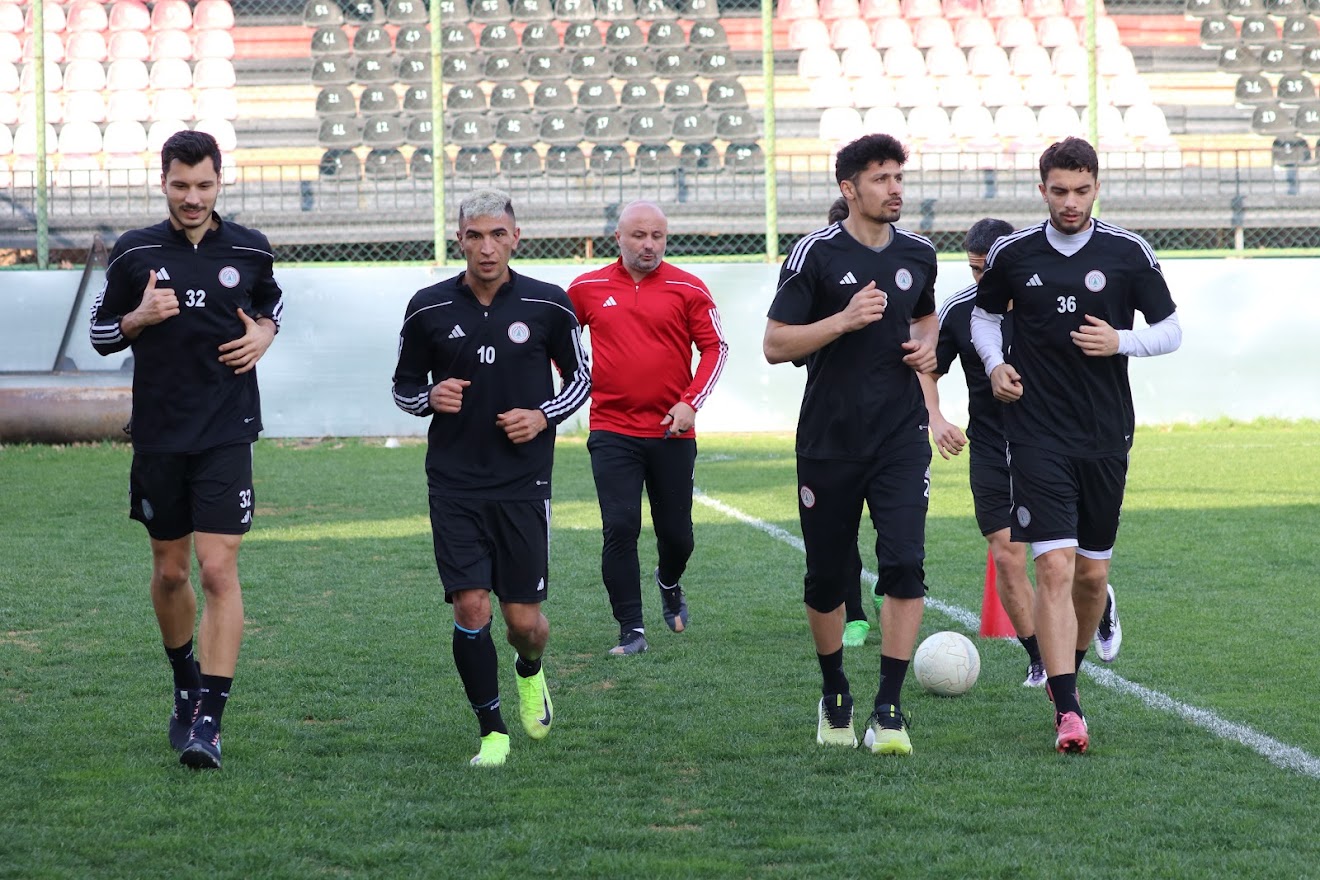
(947, 664)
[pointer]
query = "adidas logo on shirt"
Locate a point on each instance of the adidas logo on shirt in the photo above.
(608, 302)
(457, 332)
(1034, 281)
(162, 275)
(849, 278)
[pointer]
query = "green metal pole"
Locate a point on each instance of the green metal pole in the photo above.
(437, 138)
(771, 150)
(39, 99)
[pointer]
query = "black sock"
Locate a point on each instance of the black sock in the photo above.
(1081, 655)
(187, 677)
(833, 681)
(892, 673)
(215, 693)
(526, 668)
(1033, 649)
(474, 655)
(1063, 690)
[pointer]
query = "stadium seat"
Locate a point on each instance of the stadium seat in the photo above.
(975, 31)
(863, 62)
(547, 65)
(384, 132)
(130, 45)
(340, 165)
(656, 158)
(665, 35)
(521, 161)
(412, 38)
(1057, 121)
(533, 10)
(335, 100)
(829, 91)
(459, 68)
(9, 80)
(330, 40)
(605, 127)
(126, 169)
(997, 9)
(712, 34)
(127, 74)
(1203, 8)
(213, 44)
(622, 35)
(214, 15)
(1280, 59)
(974, 128)
(86, 46)
(693, 126)
(503, 66)
(1300, 30)
(1015, 31)
(698, 10)
(54, 48)
(28, 75)
(633, 63)
(575, 10)
(1307, 120)
(11, 19)
(27, 108)
(1271, 119)
(716, 63)
(417, 100)
(1285, 8)
(129, 15)
(1031, 60)
(132, 106)
(79, 137)
(171, 44)
(914, 9)
(55, 19)
(946, 61)
(832, 10)
(888, 120)
(1243, 8)
(655, 10)
(590, 64)
(1239, 59)
(1018, 130)
(959, 91)
(516, 129)
(11, 49)
(675, 63)
(1292, 89)
(849, 32)
(744, 158)
(406, 12)
(25, 138)
(698, 158)
(1311, 59)
(420, 132)
(1043, 90)
(1038, 9)
(539, 35)
(874, 10)
(457, 38)
(565, 161)
(82, 74)
(87, 106)
(640, 94)
(325, 71)
(737, 126)
(818, 63)
(319, 13)
(364, 11)
(1218, 31)
(583, 35)
(560, 129)
(378, 98)
(214, 73)
(609, 159)
(616, 10)
(509, 96)
(485, 11)
(793, 9)
(1146, 122)
(551, 96)
(905, 61)
(890, 33)
(1290, 152)
(385, 163)
(338, 133)
(161, 130)
(171, 15)
(840, 125)
(372, 39)
(220, 129)
(931, 32)
(124, 136)
(808, 33)
(1070, 61)
(171, 73)
(498, 37)
(726, 94)
(956, 9)
(1057, 30)
(471, 130)
(1259, 31)
(682, 94)
(874, 92)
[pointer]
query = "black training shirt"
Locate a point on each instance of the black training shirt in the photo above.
(985, 416)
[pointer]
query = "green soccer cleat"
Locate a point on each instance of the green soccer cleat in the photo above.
(834, 719)
(494, 751)
(534, 706)
(886, 732)
(854, 633)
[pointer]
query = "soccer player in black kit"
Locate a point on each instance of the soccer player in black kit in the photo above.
(856, 302)
(475, 354)
(1074, 284)
(196, 299)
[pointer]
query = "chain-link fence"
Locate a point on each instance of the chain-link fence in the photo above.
(325, 111)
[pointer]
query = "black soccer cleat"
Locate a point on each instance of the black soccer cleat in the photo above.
(203, 749)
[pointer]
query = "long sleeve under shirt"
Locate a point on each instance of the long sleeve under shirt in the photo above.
(506, 351)
(985, 415)
(184, 399)
(1071, 402)
(642, 335)
(859, 393)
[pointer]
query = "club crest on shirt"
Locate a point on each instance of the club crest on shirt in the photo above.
(1023, 517)
(903, 278)
(1095, 281)
(808, 497)
(519, 333)
(229, 276)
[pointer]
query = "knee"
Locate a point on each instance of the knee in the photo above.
(170, 575)
(219, 578)
(621, 523)
(471, 609)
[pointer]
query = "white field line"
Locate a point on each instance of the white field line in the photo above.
(1277, 753)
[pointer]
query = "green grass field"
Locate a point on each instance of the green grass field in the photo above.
(348, 735)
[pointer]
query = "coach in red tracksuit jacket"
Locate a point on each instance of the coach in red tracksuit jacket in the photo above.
(644, 317)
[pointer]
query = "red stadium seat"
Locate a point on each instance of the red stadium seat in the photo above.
(129, 15)
(1056, 30)
(808, 33)
(213, 15)
(832, 10)
(791, 9)
(997, 9)
(171, 15)
(956, 9)
(55, 19)
(914, 9)
(86, 15)
(874, 10)
(89, 45)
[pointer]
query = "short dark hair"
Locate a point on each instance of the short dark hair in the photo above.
(856, 157)
(190, 148)
(838, 211)
(981, 237)
(1069, 154)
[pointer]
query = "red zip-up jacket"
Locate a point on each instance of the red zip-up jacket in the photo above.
(642, 336)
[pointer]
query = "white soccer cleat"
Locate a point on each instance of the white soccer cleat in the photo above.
(1109, 634)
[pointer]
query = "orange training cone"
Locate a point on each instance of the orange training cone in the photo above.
(994, 619)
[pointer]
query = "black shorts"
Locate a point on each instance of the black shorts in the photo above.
(990, 494)
(896, 490)
(1059, 497)
(176, 494)
(502, 546)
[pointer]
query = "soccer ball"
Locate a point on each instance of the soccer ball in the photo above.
(947, 664)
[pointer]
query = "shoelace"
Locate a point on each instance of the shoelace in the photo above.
(838, 716)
